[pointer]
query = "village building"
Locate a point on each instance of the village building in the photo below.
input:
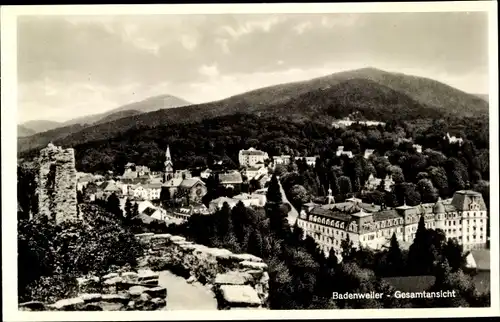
(133, 171)
(368, 153)
(231, 179)
(281, 160)
(346, 122)
(184, 213)
(418, 148)
(218, 203)
(250, 157)
(463, 218)
(340, 151)
(373, 183)
(310, 161)
(453, 139)
(191, 188)
(205, 174)
(257, 170)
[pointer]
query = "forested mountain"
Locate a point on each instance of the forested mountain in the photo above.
(38, 126)
(24, 131)
(376, 94)
(145, 106)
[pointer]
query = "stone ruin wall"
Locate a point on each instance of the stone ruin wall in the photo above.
(118, 291)
(237, 280)
(57, 184)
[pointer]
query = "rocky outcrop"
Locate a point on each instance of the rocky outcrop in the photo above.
(237, 280)
(57, 184)
(120, 291)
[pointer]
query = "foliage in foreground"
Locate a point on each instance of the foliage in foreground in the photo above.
(51, 256)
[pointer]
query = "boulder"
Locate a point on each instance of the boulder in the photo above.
(232, 278)
(67, 304)
(253, 265)
(90, 297)
(120, 298)
(177, 239)
(239, 295)
(246, 257)
(137, 290)
(158, 291)
(113, 280)
(110, 275)
(32, 306)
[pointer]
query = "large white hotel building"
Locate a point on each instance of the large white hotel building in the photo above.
(463, 217)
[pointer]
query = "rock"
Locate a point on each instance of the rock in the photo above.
(144, 275)
(90, 297)
(67, 304)
(158, 302)
(232, 278)
(120, 298)
(144, 235)
(113, 280)
(160, 236)
(177, 238)
(137, 290)
(144, 297)
(191, 279)
(158, 291)
(32, 306)
(131, 304)
(92, 307)
(240, 295)
(264, 278)
(110, 275)
(130, 275)
(246, 257)
(253, 265)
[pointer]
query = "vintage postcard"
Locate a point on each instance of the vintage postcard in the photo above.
(250, 161)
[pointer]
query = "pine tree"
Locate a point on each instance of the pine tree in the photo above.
(347, 249)
(274, 191)
(135, 210)
(394, 258)
(113, 206)
(128, 209)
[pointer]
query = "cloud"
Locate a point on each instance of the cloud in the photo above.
(198, 56)
(210, 71)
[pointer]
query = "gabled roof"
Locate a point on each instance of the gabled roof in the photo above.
(174, 182)
(149, 211)
(189, 183)
(227, 178)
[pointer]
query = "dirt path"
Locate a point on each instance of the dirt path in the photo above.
(184, 296)
(293, 214)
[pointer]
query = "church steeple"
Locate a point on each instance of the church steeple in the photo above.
(169, 165)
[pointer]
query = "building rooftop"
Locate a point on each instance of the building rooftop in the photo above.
(188, 183)
(385, 215)
(230, 178)
(320, 211)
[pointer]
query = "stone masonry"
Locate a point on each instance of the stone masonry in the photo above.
(116, 291)
(57, 184)
(237, 280)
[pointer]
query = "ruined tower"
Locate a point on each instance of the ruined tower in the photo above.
(57, 184)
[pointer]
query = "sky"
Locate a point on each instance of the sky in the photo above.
(71, 66)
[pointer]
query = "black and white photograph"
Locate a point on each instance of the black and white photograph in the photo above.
(250, 157)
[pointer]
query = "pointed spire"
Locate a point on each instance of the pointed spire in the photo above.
(167, 154)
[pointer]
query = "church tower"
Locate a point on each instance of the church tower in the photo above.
(169, 166)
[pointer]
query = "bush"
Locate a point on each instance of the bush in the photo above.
(51, 256)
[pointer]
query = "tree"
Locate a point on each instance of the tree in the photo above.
(274, 191)
(345, 185)
(299, 196)
(113, 206)
(395, 261)
(135, 210)
(347, 249)
(427, 191)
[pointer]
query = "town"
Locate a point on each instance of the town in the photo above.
(174, 195)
